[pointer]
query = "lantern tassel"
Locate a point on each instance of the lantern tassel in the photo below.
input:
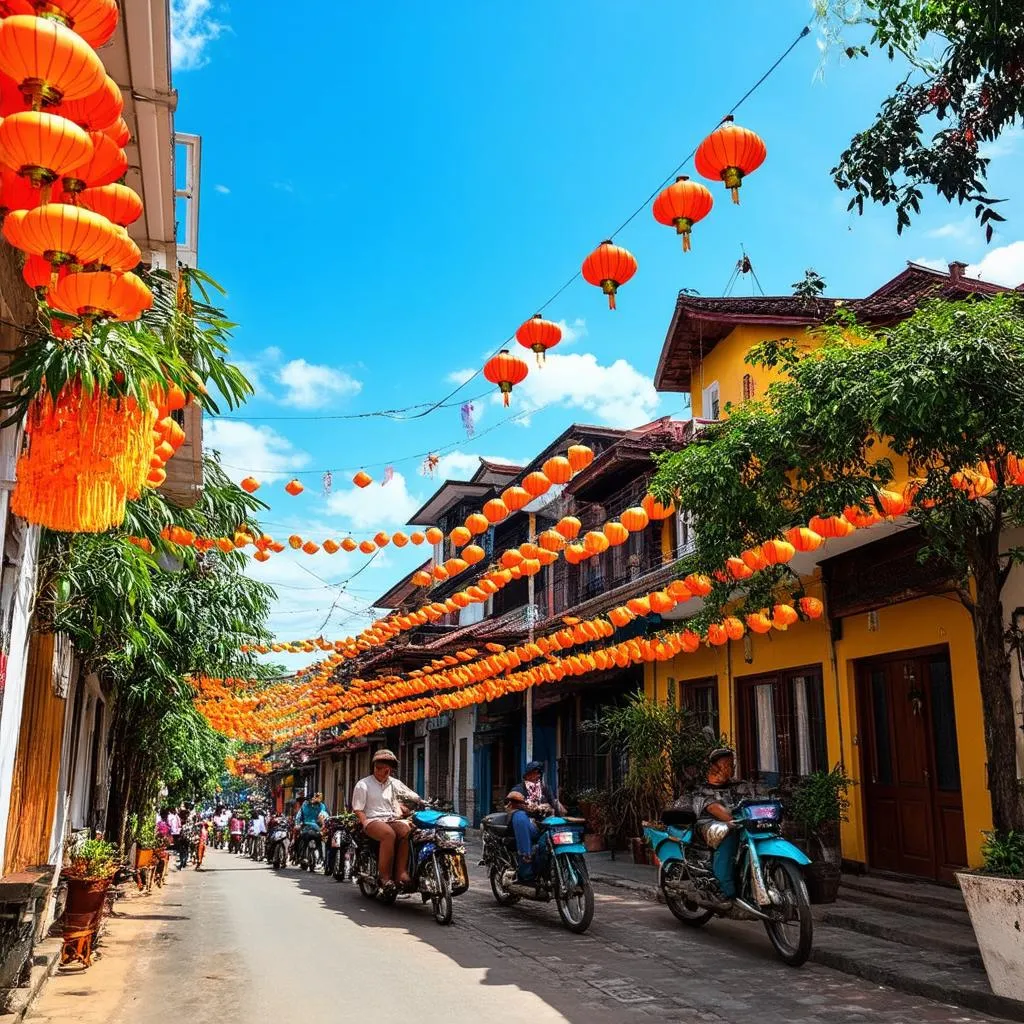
(736, 195)
(686, 241)
(611, 300)
(505, 397)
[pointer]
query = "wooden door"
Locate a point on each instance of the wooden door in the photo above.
(913, 803)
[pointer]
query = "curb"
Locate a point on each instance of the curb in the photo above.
(647, 892)
(45, 958)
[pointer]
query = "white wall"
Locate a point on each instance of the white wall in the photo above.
(1013, 598)
(463, 727)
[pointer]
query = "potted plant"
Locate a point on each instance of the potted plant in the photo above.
(818, 804)
(89, 870)
(146, 844)
(995, 900)
(593, 805)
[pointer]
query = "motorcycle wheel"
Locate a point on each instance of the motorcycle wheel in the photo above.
(502, 896)
(575, 910)
(442, 903)
(339, 865)
(792, 936)
(682, 909)
(279, 857)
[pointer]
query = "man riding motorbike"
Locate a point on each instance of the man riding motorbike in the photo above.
(376, 801)
(526, 799)
(308, 821)
(713, 803)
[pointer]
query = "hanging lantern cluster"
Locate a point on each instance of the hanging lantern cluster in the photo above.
(62, 139)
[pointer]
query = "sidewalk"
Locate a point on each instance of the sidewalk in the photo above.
(913, 937)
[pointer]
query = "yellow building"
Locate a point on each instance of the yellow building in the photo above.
(886, 682)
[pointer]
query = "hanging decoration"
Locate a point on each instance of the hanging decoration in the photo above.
(609, 267)
(429, 465)
(466, 413)
(539, 335)
(362, 479)
(729, 154)
(681, 205)
(506, 371)
(294, 488)
(389, 475)
(327, 484)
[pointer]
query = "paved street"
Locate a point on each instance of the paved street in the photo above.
(236, 942)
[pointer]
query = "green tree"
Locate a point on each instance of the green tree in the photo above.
(945, 389)
(964, 87)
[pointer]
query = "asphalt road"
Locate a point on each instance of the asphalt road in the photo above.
(239, 942)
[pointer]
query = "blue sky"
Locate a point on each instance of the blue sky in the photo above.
(389, 190)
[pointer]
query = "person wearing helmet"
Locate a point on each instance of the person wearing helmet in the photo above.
(525, 799)
(713, 803)
(377, 802)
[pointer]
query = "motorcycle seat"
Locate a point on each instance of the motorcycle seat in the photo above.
(499, 823)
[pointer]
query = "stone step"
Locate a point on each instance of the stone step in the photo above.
(948, 978)
(905, 926)
(910, 893)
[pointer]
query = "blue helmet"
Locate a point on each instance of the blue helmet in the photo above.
(534, 766)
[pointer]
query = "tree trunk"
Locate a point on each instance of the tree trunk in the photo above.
(996, 695)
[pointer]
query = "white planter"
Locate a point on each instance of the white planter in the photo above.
(996, 906)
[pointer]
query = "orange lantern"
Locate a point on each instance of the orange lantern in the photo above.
(506, 371)
(293, 487)
(609, 267)
(250, 484)
(804, 539)
(639, 606)
(811, 607)
(94, 20)
(551, 540)
(362, 479)
(777, 552)
(679, 591)
(717, 635)
(434, 535)
(783, 616)
(348, 544)
(310, 547)
(536, 484)
(460, 536)
(399, 539)
(102, 294)
(367, 547)
(558, 470)
(831, 526)
(580, 456)
(331, 546)
(477, 523)
(516, 498)
(595, 543)
(295, 541)
(421, 578)
(61, 233)
(616, 533)
(97, 112)
(382, 539)
(575, 553)
(119, 132)
(759, 623)
(728, 154)
(635, 519)
(473, 553)
(41, 147)
(261, 556)
(738, 569)
(661, 601)
(733, 627)
(456, 565)
(569, 527)
(495, 510)
(754, 559)
(48, 61)
(511, 558)
(861, 518)
(538, 335)
(893, 503)
(105, 163)
(118, 203)
(681, 205)
(655, 509)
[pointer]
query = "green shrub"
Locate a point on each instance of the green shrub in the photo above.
(1003, 854)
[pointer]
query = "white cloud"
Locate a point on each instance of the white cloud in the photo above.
(374, 506)
(1003, 265)
(618, 394)
(573, 331)
(965, 230)
(311, 386)
(1006, 145)
(461, 376)
(283, 186)
(222, 189)
(192, 28)
(249, 450)
(941, 265)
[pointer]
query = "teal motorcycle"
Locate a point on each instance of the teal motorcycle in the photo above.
(755, 875)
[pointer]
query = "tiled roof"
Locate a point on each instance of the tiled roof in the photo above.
(698, 323)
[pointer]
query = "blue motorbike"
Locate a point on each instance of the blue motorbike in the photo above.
(437, 862)
(757, 876)
(560, 867)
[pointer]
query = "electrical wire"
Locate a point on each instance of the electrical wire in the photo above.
(387, 413)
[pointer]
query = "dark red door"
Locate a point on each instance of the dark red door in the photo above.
(913, 803)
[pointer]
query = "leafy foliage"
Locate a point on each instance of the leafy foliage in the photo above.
(812, 285)
(91, 859)
(941, 391)
(819, 800)
(929, 132)
(1003, 854)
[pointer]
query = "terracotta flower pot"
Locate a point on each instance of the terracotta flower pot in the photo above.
(144, 859)
(86, 895)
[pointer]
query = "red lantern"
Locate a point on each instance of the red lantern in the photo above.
(538, 335)
(118, 203)
(362, 479)
(94, 20)
(61, 233)
(681, 205)
(506, 371)
(47, 60)
(608, 267)
(103, 294)
(41, 147)
(293, 487)
(104, 165)
(119, 132)
(250, 484)
(730, 153)
(97, 112)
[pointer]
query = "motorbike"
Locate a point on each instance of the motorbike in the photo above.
(257, 844)
(559, 862)
(337, 838)
(437, 862)
(766, 881)
(277, 843)
(308, 848)
(220, 837)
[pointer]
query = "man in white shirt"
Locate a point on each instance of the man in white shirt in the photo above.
(377, 801)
